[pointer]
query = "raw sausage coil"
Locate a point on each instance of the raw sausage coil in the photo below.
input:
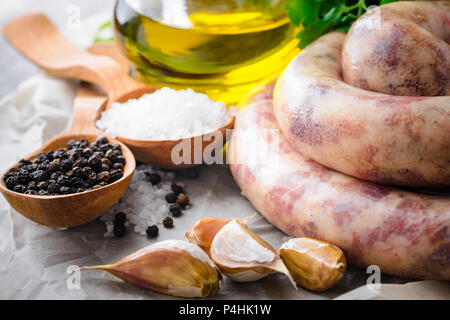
(405, 234)
(390, 139)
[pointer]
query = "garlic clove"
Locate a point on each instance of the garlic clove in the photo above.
(314, 264)
(171, 267)
(243, 256)
(204, 231)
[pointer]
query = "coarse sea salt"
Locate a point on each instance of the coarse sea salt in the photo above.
(143, 203)
(165, 114)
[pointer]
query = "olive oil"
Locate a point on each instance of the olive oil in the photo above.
(222, 48)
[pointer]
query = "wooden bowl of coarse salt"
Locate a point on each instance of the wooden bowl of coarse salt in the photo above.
(170, 129)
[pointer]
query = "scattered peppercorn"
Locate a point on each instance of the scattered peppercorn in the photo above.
(120, 218)
(175, 210)
(177, 189)
(79, 167)
(183, 200)
(171, 197)
(168, 222)
(119, 230)
(153, 178)
(152, 231)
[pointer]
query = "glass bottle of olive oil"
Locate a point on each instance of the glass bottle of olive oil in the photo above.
(222, 48)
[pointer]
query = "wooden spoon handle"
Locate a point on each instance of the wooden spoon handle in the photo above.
(88, 103)
(40, 41)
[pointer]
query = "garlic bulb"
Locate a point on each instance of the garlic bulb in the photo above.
(204, 231)
(315, 265)
(172, 267)
(243, 256)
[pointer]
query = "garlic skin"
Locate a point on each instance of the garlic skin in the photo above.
(204, 231)
(243, 256)
(171, 267)
(314, 264)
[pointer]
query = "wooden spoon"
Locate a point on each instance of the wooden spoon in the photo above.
(40, 41)
(74, 209)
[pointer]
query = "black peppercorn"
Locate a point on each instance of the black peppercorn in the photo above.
(177, 189)
(77, 172)
(55, 175)
(153, 178)
(99, 154)
(105, 147)
(87, 152)
(72, 144)
(152, 231)
(66, 165)
(23, 163)
(117, 166)
(23, 176)
(175, 210)
(19, 188)
(50, 155)
(87, 171)
(53, 167)
(104, 176)
(95, 162)
(81, 162)
(63, 180)
(54, 188)
(11, 182)
(120, 159)
(111, 155)
(101, 140)
(104, 167)
(75, 154)
(57, 154)
(171, 197)
(106, 162)
(41, 157)
(43, 185)
(119, 230)
(39, 175)
(32, 186)
(43, 193)
(42, 167)
(65, 190)
(120, 218)
(168, 222)
(31, 192)
(83, 143)
(116, 174)
(75, 182)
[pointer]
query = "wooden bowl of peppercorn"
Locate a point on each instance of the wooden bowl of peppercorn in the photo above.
(75, 177)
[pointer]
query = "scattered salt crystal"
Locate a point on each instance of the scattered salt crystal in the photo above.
(165, 114)
(143, 204)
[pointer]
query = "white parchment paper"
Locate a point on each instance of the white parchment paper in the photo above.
(34, 259)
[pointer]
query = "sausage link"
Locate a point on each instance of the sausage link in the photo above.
(405, 234)
(394, 140)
